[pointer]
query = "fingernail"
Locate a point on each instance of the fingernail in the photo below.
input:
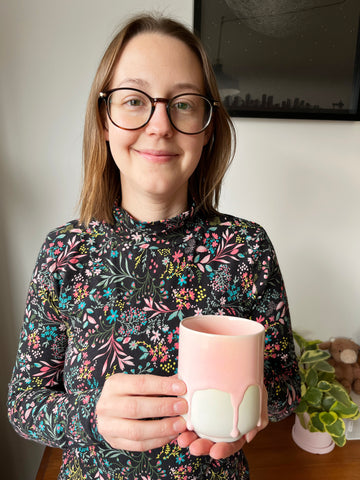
(179, 387)
(180, 425)
(249, 437)
(180, 407)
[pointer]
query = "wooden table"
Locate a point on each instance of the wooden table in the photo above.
(272, 456)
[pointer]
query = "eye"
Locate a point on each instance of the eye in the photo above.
(182, 106)
(128, 99)
(133, 102)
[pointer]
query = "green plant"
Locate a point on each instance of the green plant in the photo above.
(324, 401)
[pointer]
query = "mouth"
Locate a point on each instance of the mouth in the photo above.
(157, 156)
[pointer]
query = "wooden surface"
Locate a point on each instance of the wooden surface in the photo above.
(272, 456)
(50, 464)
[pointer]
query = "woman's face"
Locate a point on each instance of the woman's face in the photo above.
(156, 161)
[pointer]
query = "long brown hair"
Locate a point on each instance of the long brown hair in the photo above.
(101, 179)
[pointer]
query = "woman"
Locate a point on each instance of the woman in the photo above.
(95, 371)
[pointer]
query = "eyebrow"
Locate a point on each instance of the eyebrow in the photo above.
(136, 81)
(141, 83)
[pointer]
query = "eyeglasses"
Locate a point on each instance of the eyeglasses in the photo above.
(131, 109)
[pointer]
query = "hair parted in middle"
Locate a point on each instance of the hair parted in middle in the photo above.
(101, 178)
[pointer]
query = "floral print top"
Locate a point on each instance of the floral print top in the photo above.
(109, 298)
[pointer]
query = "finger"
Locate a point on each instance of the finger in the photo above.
(134, 407)
(141, 446)
(264, 419)
(224, 450)
(200, 446)
(252, 434)
(125, 384)
(184, 439)
(264, 410)
(139, 431)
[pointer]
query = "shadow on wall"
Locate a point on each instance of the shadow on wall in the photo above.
(16, 454)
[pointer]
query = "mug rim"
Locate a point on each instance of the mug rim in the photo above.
(256, 326)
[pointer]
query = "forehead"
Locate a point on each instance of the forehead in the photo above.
(154, 58)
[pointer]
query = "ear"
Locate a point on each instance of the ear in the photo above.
(324, 345)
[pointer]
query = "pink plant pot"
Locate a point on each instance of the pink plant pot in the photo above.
(313, 442)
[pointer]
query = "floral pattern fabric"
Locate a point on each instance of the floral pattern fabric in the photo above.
(108, 298)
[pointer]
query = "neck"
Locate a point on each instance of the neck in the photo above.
(153, 209)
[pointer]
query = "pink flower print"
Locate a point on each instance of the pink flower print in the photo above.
(188, 237)
(177, 255)
(153, 266)
(113, 352)
(164, 359)
(153, 353)
(51, 371)
(29, 410)
(81, 292)
(34, 340)
(136, 236)
(66, 257)
(156, 336)
(86, 370)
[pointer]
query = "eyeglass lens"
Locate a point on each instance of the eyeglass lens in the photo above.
(131, 109)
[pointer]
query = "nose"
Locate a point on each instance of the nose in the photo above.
(159, 123)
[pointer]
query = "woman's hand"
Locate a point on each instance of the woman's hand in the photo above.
(141, 412)
(200, 446)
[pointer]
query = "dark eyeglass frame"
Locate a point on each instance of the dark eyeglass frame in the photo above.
(212, 103)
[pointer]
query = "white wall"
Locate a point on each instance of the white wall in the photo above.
(299, 179)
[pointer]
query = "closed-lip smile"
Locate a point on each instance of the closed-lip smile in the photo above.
(156, 156)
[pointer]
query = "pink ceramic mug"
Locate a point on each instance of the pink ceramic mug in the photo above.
(221, 360)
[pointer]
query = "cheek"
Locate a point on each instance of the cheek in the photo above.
(120, 141)
(195, 147)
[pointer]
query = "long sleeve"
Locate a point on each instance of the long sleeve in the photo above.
(281, 376)
(39, 408)
(107, 299)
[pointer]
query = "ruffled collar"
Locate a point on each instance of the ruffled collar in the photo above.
(126, 222)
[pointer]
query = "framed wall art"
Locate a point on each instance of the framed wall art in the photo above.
(284, 58)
